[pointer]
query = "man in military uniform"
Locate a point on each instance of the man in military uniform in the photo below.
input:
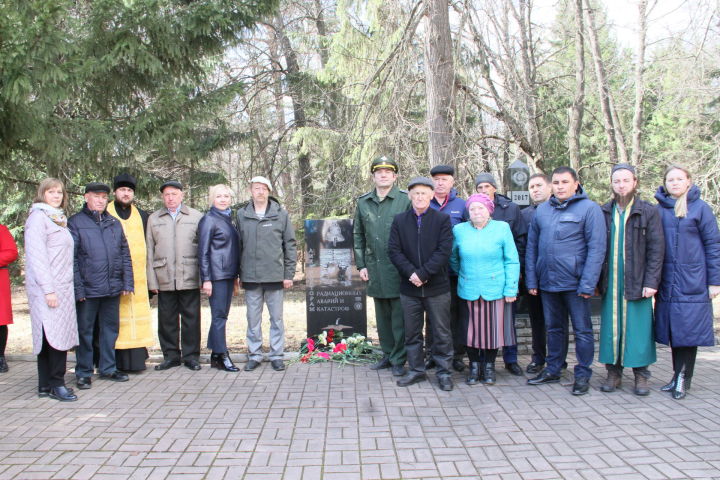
(373, 217)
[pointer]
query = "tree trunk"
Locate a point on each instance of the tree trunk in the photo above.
(439, 83)
(293, 76)
(529, 90)
(578, 105)
(639, 84)
(602, 84)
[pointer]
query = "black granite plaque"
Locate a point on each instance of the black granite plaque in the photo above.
(335, 295)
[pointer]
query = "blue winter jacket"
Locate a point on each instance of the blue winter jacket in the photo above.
(566, 245)
(103, 267)
(487, 261)
(454, 206)
(683, 310)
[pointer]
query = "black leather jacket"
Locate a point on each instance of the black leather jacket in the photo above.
(218, 247)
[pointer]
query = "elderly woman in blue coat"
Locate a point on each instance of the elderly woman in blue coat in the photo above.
(485, 257)
(690, 277)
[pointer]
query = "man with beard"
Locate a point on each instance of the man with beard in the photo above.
(565, 250)
(630, 278)
(135, 320)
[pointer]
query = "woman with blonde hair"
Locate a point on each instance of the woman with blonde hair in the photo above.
(50, 289)
(219, 258)
(690, 277)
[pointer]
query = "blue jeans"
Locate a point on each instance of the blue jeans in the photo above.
(556, 307)
(220, 301)
(107, 309)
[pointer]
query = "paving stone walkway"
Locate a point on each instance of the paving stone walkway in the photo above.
(328, 422)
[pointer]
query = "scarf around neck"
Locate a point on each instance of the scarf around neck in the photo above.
(56, 214)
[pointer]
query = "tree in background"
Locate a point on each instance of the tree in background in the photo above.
(89, 87)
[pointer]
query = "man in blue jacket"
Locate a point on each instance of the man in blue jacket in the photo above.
(419, 246)
(103, 271)
(445, 200)
(565, 252)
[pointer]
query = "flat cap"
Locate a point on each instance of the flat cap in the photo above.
(622, 166)
(421, 181)
(485, 178)
(124, 180)
(383, 162)
(263, 180)
(442, 170)
(96, 187)
(171, 183)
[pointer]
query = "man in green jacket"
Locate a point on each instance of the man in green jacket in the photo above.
(267, 268)
(373, 217)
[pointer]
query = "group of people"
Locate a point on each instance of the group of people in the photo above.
(457, 268)
(89, 278)
(432, 261)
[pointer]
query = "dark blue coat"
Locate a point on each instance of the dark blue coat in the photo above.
(454, 206)
(102, 263)
(683, 310)
(218, 247)
(566, 245)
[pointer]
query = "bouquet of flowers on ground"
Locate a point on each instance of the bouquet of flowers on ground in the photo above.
(331, 346)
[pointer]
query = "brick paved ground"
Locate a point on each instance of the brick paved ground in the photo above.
(326, 422)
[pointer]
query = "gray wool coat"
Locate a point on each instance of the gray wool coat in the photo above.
(49, 269)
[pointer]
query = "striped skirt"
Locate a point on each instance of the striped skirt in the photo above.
(490, 324)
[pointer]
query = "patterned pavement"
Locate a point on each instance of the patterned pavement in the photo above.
(324, 421)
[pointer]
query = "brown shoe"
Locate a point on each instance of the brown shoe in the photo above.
(641, 386)
(612, 382)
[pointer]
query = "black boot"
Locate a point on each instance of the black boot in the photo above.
(679, 390)
(669, 387)
(227, 363)
(216, 361)
(489, 375)
(473, 377)
(3, 364)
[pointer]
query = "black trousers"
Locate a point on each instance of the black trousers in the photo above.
(51, 365)
(179, 324)
(684, 360)
(438, 311)
(3, 338)
(458, 328)
(537, 325)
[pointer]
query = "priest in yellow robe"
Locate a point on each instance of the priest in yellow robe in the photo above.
(136, 332)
